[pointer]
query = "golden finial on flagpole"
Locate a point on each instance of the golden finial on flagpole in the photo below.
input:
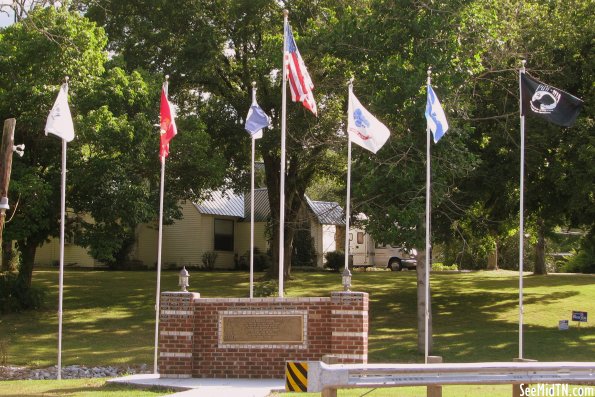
(285, 13)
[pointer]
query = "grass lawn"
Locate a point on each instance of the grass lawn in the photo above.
(73, 388)
(109, 317)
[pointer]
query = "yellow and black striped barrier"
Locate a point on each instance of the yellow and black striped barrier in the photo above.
(296, 376)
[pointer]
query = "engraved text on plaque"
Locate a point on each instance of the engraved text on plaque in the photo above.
(263, 329)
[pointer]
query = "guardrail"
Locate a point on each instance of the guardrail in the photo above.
(327, 378)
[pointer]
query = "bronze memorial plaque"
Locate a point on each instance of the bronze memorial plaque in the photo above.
(263, 329)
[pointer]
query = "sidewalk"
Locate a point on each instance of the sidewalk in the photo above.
(198, 387)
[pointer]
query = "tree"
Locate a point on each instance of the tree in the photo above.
(557, 176)
(212, 67)
(389, 187)
(113, 163)
(474, 48)
(39, 52)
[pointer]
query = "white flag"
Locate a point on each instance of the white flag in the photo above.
(363, 128)
(59, 120)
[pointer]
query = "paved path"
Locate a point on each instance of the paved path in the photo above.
(198, 387)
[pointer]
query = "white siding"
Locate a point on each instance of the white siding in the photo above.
(329, 242)
(243, 237)
(49, 254)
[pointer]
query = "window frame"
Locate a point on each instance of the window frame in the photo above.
(223, 242)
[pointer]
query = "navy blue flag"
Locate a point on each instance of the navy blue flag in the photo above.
(551, 103)
(256, 120)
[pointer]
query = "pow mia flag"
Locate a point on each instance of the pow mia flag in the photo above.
(553, 104)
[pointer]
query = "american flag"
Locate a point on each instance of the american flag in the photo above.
(299, 80)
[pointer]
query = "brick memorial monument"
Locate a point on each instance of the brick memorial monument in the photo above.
(253, 338)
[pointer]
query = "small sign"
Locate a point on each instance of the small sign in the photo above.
(579, 316)
(563, 325)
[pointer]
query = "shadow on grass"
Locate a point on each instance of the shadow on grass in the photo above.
(111, 389)
(475, 317)
(109, 317)
(77, 388)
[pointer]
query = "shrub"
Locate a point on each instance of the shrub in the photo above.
(584, 260)
(266, 289)
(11, 259)
(208, 260)
(15, 296)
(303, 252)
(262, 261)
(440, 267)
(335, 260)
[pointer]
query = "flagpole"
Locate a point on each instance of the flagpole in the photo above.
(159, 246)
(59, 122)
(348, 198)
(521, 210)
(252, 203)
(159, 252)
(428, 246)
(61, 276)
(282, 176)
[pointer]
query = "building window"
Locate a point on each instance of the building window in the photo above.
(360, 237)
(223, 235)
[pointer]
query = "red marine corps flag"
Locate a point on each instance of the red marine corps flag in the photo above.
(168, 124)
(168, 130)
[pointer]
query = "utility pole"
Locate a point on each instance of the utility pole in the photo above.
(6, 167)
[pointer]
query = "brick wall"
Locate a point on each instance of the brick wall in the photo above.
(191, 341)
(176, 333)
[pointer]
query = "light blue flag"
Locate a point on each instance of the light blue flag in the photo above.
(435, 115)
(256, 120)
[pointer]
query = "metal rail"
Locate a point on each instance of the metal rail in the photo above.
(323, 376)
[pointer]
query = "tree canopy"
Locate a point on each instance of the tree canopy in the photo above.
(214, 50)
(113, 164)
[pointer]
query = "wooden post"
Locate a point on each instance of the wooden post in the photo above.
(516, 387)
(434, 390)
(6, 163)
(329, 393)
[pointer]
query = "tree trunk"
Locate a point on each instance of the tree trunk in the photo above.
(28, 250)
(540, 267)
(421, 305)
(289, 232)
(493, 258)
(294, 199)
